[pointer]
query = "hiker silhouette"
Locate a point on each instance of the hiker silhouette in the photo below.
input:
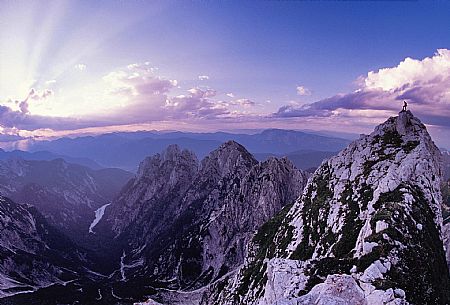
(405, 104)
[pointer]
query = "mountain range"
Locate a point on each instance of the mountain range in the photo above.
(66, 194)
(126, 149)
(368, 226)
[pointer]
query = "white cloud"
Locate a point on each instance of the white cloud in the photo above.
(302, 90)
(410, 72)
(198, 103)
(23, 106)
(230, 94)
(203, 77)
(202, 93)
(424, 83)
(50, 82)
(80, 67)
(138, 80)
(39, 95)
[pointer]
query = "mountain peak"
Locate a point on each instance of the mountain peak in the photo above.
(232, 145)
(369, 218)
(228, 158)
(172, 154)
(405, 124)
(405, 120)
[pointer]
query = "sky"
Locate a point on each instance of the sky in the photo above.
(77, 67)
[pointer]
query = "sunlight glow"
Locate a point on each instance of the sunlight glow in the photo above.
(43, 52)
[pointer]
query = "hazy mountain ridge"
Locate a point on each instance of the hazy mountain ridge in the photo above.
(46, 156)
(126, 150)
(303, 159)
(66, 194)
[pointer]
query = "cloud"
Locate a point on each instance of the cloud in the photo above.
(9, 135)
(39, 95)
(244, 102)
(410, 72)
(24, 107)
(33, 95)
(138, 80)
(302, 90)
(80, 67)
(198, 103)
(50, 82)
(203, 77)
(137, 94)
(133, 95)
(425, 84)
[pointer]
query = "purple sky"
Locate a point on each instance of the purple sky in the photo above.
(74, 67)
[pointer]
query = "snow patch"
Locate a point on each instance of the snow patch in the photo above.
(98, 216)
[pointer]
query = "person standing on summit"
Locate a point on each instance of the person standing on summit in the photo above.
(405, 104)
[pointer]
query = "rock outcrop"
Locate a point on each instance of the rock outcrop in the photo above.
(367, 230)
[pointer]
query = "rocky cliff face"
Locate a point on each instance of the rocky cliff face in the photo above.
(151, 195)
(33, 254)
(365, 231)
(66, 194)
(184, 224)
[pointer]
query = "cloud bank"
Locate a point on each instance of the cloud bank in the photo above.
(138, 94)
(135, 94)
(424, 84)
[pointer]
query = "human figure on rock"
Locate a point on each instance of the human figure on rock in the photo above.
(405, 104)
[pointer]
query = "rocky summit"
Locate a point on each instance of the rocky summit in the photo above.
(366, 230)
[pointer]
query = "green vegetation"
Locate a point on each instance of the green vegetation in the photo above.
(392, 137)
(422, 259)
(254, 274)
(409, 146)
(352, 224)
(313, 226)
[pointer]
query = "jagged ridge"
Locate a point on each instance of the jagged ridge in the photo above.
(369, 219)
(185, 225)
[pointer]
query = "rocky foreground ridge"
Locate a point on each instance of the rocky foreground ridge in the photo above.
(367, 230)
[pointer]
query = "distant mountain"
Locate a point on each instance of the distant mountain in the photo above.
(125, 150)
(46, 156)
(304, 159)
(115, 150)
(334, 134)
(66, 194)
